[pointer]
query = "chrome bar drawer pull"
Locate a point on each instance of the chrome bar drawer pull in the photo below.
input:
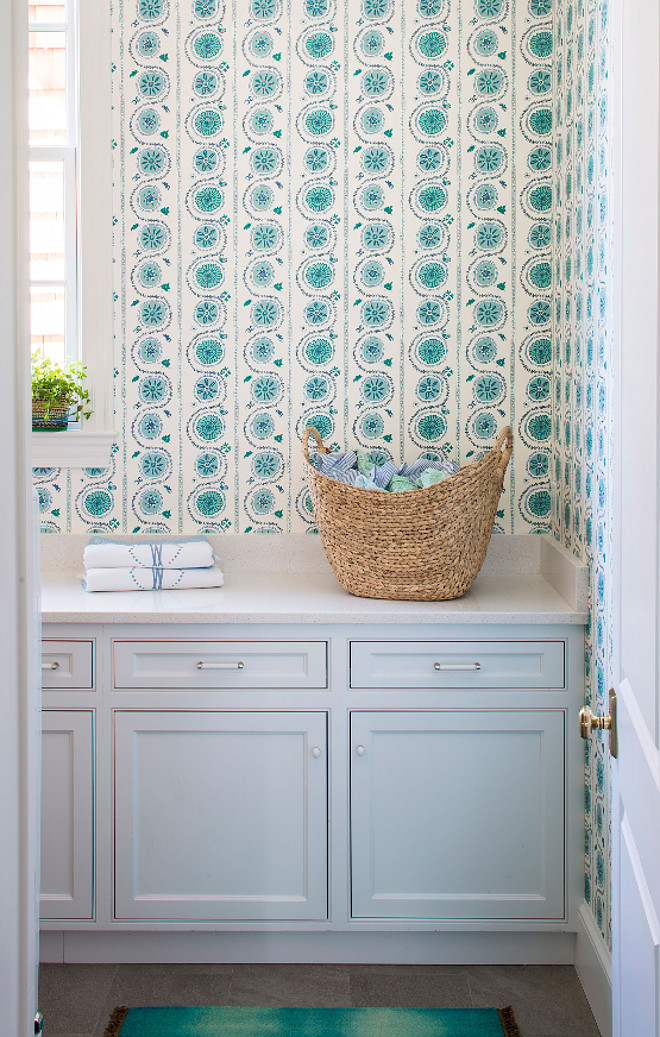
(457, 666)
(201, 665)
(50, 666)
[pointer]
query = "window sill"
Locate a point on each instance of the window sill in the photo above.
(71, 449)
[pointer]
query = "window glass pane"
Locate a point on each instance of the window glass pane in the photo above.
(47, 11)
(48, 321)
(47, 88)
(47, 221)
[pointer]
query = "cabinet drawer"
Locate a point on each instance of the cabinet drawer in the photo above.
(67, 665)
(457, 664)
(219, 664)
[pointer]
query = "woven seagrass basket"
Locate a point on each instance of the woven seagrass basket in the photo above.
(412, 545)
(57, 420)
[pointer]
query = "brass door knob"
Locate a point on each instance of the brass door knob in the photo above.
(590, 722)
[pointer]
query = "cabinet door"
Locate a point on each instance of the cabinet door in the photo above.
(457, 815)
(67, 821)
(220, 815)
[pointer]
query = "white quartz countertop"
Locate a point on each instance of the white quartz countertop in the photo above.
(532, 582)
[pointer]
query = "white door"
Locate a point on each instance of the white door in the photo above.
(220, 816)
(636, 773)
(19, 689)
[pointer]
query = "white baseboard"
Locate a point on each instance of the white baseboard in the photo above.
(477, 948)
(593, 964)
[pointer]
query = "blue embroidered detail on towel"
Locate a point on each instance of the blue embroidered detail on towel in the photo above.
(143, 578)
(186, 553)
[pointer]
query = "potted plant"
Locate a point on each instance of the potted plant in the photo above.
(58, 393)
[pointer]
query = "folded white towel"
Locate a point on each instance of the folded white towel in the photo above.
(140, 578)
(187, 553)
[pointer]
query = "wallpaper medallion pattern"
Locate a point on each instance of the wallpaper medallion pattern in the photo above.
(582, 433)
(329, 213)
(388, 218)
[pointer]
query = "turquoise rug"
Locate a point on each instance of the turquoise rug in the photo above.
(312, 1022)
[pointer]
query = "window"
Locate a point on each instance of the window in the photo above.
(53, 160)
(69, 133)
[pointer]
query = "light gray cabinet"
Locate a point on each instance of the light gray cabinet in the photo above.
(216, 665)
(220, 815)
(67, 820)
(378, 779)
(67, 665)
(457, 814)
(436, 665)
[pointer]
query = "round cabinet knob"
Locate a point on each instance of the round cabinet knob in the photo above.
(316, 752)
(360, 750)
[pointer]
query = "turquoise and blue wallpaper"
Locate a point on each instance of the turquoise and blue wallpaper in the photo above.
(326, 212)
(388, 218)
(582, 429)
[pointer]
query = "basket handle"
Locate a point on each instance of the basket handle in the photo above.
(311, 431)
(505, 439)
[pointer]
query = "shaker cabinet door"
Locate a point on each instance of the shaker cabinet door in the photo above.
(457, 815)
(220, 816)
(67, 821)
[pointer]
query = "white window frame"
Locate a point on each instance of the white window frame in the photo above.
(65, 153)
(89, 446)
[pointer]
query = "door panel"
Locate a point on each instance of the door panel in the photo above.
(457, 814)
(636, 772)
(639, 943)
(220, 815)
(67, 820)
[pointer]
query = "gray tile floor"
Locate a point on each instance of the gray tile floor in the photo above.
(76, 1000)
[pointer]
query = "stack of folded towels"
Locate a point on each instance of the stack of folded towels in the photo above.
(112, 565)
(356, 469)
